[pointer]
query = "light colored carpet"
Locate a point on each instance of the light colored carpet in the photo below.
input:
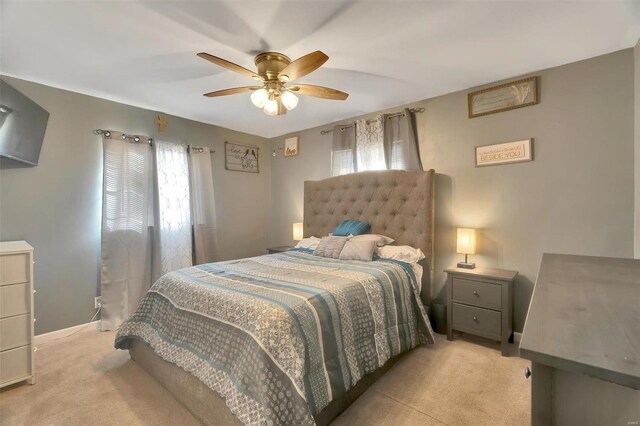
(82, 380)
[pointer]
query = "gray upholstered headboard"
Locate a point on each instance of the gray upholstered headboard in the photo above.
(397, 203)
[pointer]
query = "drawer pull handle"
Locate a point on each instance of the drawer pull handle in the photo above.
(527, 372)
(475, 292)
(475, 319)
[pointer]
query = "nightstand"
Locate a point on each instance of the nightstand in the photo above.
(480, 302)
(278, 249)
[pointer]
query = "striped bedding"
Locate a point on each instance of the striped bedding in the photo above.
(281, 336)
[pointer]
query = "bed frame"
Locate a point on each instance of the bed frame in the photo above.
(399, 204)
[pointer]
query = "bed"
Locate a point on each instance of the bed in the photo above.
(293, 338)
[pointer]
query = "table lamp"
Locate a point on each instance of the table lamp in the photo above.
(466, 245)
(297, 231)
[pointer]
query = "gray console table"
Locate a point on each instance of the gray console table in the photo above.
(582, 335)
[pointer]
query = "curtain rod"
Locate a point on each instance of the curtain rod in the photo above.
(200, 149)
(414, 110)
(136, 138)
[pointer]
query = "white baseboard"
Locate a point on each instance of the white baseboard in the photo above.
(57, 334)
(517, 337)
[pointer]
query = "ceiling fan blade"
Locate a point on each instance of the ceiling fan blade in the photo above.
(303, 66)
(229, 65)
(231, 91)
(319, 92)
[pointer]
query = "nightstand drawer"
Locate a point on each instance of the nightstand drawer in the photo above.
(476, 293)
(477, 320)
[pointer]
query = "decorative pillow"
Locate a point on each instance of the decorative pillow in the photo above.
(308, 243)
(330, 246)
(358, 250)
(352, 227)
(380, 240)
(404, 253)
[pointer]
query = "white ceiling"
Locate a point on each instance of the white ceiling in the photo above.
(384, 53)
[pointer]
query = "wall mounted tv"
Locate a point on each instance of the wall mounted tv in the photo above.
(22, 126)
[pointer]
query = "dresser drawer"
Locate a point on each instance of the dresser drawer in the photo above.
(15, 331)
(15, 364)
(477, 320)
(15, 300)
(14, 268)
(476, 293)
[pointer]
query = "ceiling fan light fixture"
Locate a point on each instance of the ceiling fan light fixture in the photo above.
(260, 97)
(271, 107)
(289, 100)
(274, 71)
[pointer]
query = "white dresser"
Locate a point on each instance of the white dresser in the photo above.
(16, 313)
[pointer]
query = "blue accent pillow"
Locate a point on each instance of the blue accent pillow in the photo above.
(352, 227)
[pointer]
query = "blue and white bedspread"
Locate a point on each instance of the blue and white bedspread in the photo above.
(281, 336)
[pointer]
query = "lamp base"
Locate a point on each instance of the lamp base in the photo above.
(466, 265)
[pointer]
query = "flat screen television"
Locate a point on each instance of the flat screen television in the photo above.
(22, 126)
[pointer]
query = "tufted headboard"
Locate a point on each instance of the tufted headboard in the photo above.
(397, 203)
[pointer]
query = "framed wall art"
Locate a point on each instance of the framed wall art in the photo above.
(292, 146)
(504, 153)
(241, 158)
(504, 97)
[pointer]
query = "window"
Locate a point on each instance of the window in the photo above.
(342, 162)
(127, 187)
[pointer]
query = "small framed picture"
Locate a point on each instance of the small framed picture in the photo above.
(292, 146)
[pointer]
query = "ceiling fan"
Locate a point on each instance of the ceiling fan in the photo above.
(274, 72)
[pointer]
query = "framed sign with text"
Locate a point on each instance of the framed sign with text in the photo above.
(241, 158)
(504, 153)
(504, 97)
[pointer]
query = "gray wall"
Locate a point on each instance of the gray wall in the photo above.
(56, 206)
(576, 197)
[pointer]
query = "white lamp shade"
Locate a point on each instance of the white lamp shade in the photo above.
(289, 100)
(271, 107)
(260, 97)
(466, 241)
(297, 231)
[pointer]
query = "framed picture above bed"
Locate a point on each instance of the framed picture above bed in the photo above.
(241, 158)
(504, 97)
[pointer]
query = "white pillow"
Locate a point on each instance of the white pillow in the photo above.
(404, 253)
(380, 240)
(308, 243)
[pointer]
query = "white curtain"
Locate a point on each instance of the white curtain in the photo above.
(173, 208)
(370, 144)
(203, 207)
(343, 152)
(127, 218)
